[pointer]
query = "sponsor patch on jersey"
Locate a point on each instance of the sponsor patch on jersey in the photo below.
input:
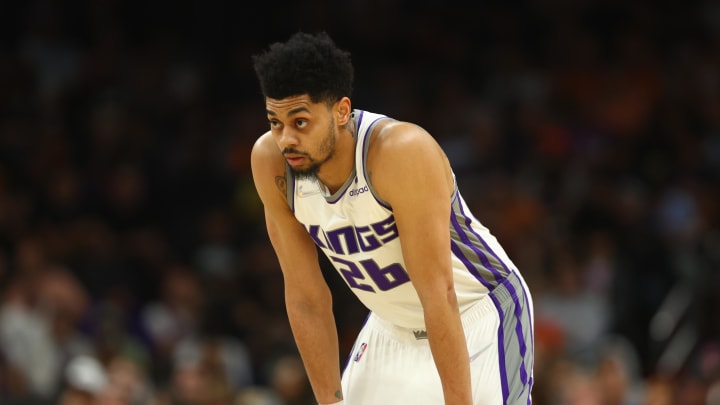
(360, 351)
(357, 191)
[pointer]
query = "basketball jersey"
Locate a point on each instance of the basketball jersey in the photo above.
(357, 232)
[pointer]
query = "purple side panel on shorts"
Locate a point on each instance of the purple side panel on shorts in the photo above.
(472, 241)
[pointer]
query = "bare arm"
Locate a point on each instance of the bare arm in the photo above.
(404, 159)
(307, 297)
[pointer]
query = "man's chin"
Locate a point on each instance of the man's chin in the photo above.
(307, 173)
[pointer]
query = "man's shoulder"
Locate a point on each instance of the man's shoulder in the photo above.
(265, 155)
(394, 135)
(395, 141)
(265, 149)
(264, 144)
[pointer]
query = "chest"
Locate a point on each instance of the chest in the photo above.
(351, 221)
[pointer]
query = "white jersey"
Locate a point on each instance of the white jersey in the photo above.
(356, 230)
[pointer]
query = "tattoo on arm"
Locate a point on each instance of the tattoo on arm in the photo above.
(281, 183)
(338, 394)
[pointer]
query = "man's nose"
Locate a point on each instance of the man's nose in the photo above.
(287, 138)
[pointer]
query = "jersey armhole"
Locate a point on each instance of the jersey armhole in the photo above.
(290, 188)
(365, 148)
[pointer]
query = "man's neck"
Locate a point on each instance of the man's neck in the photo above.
(335, 172)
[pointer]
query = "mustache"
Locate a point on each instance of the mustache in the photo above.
(293, 151)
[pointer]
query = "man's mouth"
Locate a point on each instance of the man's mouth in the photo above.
(294, 159)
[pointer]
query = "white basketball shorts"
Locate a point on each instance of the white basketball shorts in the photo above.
(390, 365)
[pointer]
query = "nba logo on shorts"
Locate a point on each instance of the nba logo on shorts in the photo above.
(360, 351)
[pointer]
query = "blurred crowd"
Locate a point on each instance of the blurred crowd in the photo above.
(134, 264)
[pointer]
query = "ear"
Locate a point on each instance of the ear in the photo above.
(343, 109)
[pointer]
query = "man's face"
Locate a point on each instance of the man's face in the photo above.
(304, 131)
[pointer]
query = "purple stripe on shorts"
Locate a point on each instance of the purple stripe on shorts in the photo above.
(511, 289)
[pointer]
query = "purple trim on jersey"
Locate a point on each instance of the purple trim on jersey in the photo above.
(338, 197)
(360, 118)
(364, 160)
(367, 181)
(466, 241)
(294, 183)
(468, 265)
(468, 223)
(511, 289)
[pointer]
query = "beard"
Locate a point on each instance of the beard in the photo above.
(326, 150)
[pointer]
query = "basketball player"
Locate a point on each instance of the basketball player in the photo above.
(450, 316)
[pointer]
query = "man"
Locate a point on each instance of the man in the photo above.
(450, 316)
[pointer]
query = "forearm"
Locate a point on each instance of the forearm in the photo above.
(449, 348)
(317, 340)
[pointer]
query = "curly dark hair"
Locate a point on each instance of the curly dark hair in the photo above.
(305, 64)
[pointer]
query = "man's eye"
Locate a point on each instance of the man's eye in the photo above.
(274, 124)
(301, 123)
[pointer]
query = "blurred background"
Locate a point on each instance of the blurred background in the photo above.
(134, 264)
